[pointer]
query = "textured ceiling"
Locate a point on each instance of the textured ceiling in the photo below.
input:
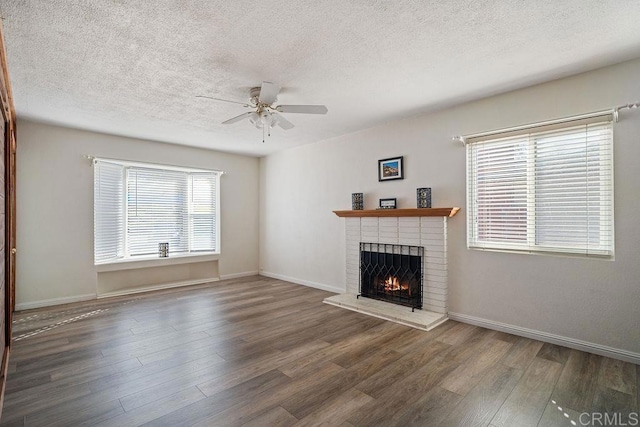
(134, 68)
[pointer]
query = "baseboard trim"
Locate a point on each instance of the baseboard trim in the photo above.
(302, 282)
(602, 350)
(53, 301)
(88, 297)
(238, 275)
(157, 287)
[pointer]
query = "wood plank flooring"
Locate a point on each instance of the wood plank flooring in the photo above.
(257, 351)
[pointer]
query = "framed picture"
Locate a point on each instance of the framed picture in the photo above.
(387, 203)
(389, 169)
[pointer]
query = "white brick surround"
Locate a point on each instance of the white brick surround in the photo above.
(428, 232)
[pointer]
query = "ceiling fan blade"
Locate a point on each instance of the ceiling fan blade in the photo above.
(282, 122)
(224, 100)
(304, 109)
(268, 93)
(237, 118)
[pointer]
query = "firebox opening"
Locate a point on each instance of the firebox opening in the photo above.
(392, 273)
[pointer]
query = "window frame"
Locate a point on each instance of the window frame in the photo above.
(533, 135)
(127, 166)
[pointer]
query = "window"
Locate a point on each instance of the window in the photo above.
(137, 206)
(547, 190)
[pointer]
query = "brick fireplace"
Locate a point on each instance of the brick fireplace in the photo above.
(423, 228)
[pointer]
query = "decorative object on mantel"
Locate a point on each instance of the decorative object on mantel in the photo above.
(391, 168)
(163, 250)
(387, 203)
(357, 201)
(424, 197)
(448, 212)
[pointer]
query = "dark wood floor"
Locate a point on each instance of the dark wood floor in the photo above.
(258, 351)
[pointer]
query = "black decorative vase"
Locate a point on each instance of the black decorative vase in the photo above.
(424, 197)
(357, 201)
(163, 250)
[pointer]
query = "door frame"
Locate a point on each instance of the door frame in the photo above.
(8, 115)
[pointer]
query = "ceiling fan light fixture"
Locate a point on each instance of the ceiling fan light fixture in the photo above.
(254, 119)
(266, 115)
(266, 119)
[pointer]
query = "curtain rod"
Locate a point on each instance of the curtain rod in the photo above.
(92, 160)
(613, 111)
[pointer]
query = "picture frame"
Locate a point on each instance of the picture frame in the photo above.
(387, 203)
(390, 169)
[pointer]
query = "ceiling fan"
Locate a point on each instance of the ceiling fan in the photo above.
(265, 115)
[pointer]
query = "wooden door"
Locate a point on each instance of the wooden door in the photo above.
(7, 214)
(5, 309)
(3, 233)
(10, 195)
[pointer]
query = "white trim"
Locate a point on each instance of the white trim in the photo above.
(89, 297)
(142, 289)
(53, 301)
(308, 283)
(155, 261)
(238, 275)
(602, 350)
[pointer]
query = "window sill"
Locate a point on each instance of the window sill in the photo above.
(603, 255)
(144, 262)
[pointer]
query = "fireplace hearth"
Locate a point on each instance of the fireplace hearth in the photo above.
(392, 273)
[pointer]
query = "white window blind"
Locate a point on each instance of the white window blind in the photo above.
(108, 210)
(156, 211)
(548, 190)
(202, 213)
(136, 207)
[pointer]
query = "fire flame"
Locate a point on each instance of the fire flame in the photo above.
(391, 284)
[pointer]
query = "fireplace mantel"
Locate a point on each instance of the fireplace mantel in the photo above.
(447, 212)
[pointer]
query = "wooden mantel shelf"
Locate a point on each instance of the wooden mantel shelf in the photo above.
(450, 212)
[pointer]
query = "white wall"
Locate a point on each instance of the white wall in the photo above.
(596, 301)
(55, 206)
